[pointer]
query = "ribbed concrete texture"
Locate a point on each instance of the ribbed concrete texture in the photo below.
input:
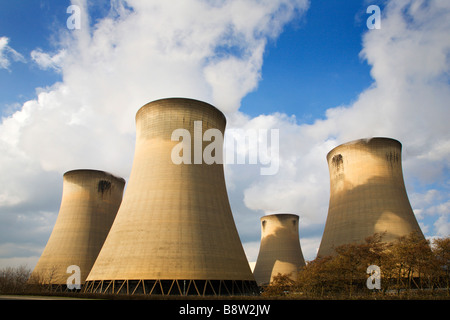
(280, 250)
(89, 204)
(367, 194)
(174, 232)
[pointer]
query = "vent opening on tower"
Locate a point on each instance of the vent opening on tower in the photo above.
(103, 186)
(337, 161)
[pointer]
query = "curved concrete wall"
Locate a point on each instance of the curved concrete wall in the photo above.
(280, 250)
(367, 194)
(175, 221)
(89, 204)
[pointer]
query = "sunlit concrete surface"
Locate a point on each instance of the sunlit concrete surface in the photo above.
(367, 194)
(280, 250)
(175, 221)
(89, 204)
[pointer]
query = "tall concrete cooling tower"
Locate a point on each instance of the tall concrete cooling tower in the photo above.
(367, 194)
(89, 204)
(280, 250)
(174, 232)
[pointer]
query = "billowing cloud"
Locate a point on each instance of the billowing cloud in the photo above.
(140, 51)
(213, 51)
(408, 101)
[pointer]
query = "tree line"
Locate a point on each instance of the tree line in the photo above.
(410, 265)
(14, 280)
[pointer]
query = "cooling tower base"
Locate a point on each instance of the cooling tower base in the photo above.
(173, 287)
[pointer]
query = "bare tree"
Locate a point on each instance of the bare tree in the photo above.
(441, 250)
(14, 280)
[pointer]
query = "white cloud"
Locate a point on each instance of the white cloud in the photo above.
(213, 51)
(7, 53)
(46, 61)
(132, 57)
(442, 224)
(433, 204)
(141, 51)
(301, 176)
(408, 101)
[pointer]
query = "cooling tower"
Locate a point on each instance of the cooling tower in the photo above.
(174, 232)
(89, 204)
(367, 194)
(280, 250)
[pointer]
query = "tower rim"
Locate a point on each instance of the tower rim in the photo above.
(280, 215)
(92, 171)
(195, 102)
(364, 140)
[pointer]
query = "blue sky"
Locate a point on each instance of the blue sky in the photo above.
(311, 69)
(27, 27)
(319, 51)
(293, 77)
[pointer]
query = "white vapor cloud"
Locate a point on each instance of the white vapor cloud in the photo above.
(140, 51)
(46, 61)
(213, 51)
(7, 53)
(408, 101)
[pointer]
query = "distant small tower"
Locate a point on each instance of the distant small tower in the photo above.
(89, 204)
(367, 194)
(174, 232)
(280, 250)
